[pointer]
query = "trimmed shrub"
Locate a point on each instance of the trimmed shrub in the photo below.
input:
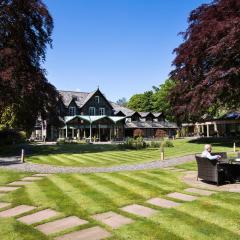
(132, 143)
(154, 144)
(167, 143)
(10, 136)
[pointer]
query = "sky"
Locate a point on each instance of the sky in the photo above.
(123, 47)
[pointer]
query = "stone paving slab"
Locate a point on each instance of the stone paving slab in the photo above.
(19, 183)
(199, 191)
(60, 225)
(32, 178)
(38, 216)
(12, 212)
(4, 204)
(93, 233)
(139, 210)
(112, 219)
(182, 196)
(8, 189)
(160, 202)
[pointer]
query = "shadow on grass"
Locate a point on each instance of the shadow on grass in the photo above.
(217, 142)
(31, 149)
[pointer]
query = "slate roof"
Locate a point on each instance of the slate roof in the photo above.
(145, 114)
(157, 114)
(83, 97)
(117, 108)
(150, 124)
(92, 119)
(67, 97)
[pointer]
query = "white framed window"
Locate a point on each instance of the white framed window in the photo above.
(72, 111)
(101, 111)
(92, 111)
(97, 99)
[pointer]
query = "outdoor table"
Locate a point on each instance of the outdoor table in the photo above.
(232, 166)
(230, 161)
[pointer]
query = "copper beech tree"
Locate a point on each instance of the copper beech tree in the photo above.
(25, 32)
(207, 63)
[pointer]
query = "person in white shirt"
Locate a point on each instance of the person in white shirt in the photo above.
(207, 153)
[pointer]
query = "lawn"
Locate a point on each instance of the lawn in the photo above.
(214, 217)
(92, 155)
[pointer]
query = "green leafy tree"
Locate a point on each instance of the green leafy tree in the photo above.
(141, 102)
(156, 100)
(160, 99)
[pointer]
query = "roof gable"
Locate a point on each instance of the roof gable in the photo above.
(96, 93)
(146, 114)
(68, 96)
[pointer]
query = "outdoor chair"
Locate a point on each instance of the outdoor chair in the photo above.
(211, 170)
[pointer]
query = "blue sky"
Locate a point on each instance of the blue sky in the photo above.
(122, 46)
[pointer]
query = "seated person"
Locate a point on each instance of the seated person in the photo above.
(207, 153)
(228, 169)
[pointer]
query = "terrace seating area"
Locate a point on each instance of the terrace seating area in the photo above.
(218, 171)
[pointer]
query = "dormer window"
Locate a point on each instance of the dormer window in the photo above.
(97, 99)
(92, 111)
(72, 111)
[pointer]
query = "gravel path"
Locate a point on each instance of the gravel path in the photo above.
(45, 168)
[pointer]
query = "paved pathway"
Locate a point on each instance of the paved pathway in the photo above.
(191, 179)
(45, 168)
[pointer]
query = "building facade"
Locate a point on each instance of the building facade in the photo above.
(227, 125)
(92, 117)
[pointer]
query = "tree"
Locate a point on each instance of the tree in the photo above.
(154, 101)
(207, 63)
(25, 32)
(141, 102)
(122, 102)
(160, 99)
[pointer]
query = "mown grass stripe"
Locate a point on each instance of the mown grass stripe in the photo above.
(75, 159)
(66, 198)
(132, 186)
(115, 158)
(103, 201)
(192, 227)
(169, 179)
(82, 160)
(213, 217)
(111, 196)
(106, 159)
(148, 184)
(94, 158)
(124, 195)
(57, 159)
